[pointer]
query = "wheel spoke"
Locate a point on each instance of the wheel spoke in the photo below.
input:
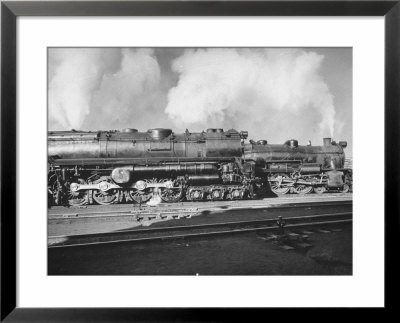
(195, 194)
(236, 194)
(276, 184)
(319, 189)
(217, 194)
(107, 197)
(140, 196)
(303, 189)
(171, 195)
(78, 198)
(345, 188)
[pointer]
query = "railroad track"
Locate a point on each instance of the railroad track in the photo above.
(196, 231)
(266, 201)
(170, 212)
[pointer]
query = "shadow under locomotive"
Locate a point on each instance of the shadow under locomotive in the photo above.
(108, 167)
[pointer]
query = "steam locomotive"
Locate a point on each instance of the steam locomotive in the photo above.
(107, 167)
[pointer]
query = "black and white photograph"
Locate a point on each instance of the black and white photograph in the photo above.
(200, 161)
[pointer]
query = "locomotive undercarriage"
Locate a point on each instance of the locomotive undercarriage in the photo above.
(71, 186)
(106, 193)
(78, 191)
(217, 192)
(76, 188)
(284, 183)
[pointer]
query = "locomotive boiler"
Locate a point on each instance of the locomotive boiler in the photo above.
(107, 167)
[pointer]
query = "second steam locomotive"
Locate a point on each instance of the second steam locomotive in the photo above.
(107, 167)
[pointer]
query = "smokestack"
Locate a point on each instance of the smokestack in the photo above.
(327, 141)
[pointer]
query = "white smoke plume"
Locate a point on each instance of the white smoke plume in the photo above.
(73, 75)
(272, 93)
(124, 96)
(260, 90)
(102, 88)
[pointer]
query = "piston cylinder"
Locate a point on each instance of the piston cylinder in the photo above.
(121, 175)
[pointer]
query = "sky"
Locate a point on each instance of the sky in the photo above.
(273, 93)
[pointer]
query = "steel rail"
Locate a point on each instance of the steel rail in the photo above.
(267, 225)
(184, 210)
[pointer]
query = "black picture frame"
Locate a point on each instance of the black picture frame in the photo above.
(10, 10)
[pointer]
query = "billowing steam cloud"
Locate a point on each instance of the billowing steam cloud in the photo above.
(123, 96)
(262, 90)
(74, 74)
(272, 93)
(103, 88)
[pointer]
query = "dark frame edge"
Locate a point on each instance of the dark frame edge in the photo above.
(8, 294)
(392, 146)
(8, 157)
(203, 8)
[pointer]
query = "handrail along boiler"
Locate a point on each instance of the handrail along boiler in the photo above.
(107, 167)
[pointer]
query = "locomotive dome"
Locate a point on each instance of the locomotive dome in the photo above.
(131, 130)
(292, 143)
(159, 133)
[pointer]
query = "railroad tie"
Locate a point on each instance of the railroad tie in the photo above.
(323, 231)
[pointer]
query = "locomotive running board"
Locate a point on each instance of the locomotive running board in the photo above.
(136, 161)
